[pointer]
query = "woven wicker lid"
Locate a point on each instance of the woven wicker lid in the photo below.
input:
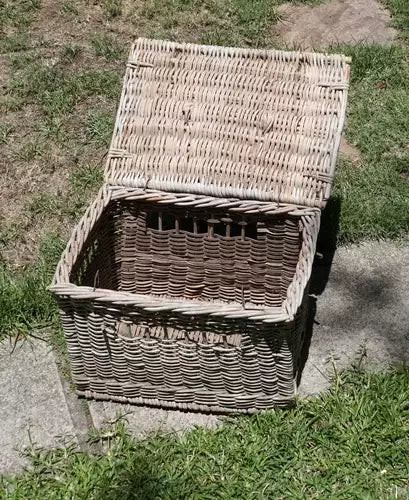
(228, 122)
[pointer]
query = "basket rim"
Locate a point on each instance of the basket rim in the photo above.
(153, 303)
(61, 285)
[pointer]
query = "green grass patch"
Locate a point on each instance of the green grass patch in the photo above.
(112, 8)
(69, 7)
(17, 13)
(53, 127)
(98, 127)
(14, 42)
(106, 46)
(86, 178)
(400, 13)
(9, 231)
(21, 61)
(84, 183)
(28, 151)
(70, 204)
(8, 104)
(6, 129)
(70, 52)
(234, 22)
(57, 91)
(45, 205)
(25, 303)
(15, 18)
(374, 195)
(350, 443)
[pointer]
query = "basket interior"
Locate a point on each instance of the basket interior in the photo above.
(198, 254)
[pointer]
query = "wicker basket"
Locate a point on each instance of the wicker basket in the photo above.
(184, 285)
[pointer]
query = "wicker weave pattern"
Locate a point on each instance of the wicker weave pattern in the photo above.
(113, 253)
(201, 353)
(111, 359)
(185, 283)
(244, 123)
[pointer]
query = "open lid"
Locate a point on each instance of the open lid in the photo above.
(228, 122)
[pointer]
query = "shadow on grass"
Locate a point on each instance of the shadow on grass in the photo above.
(137, 481)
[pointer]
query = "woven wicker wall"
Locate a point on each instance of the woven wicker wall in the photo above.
(197, 254)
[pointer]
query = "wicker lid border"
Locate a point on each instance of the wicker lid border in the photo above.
(219, 121)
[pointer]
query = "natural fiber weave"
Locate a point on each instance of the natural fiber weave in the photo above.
(185, 283)
(252, 124)
(209, 320)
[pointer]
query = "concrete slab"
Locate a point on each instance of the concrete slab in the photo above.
(335, 21)
(363, 307)
(143, 420)
(33, 403)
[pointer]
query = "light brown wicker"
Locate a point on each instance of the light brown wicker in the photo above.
(184, 285)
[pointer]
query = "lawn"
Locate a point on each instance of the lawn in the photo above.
(350, 443)
(61, 68)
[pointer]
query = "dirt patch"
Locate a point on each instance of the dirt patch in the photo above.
(349, 150)
(25, 175)
(333, 22)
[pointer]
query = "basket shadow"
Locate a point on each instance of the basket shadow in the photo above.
(326, 247)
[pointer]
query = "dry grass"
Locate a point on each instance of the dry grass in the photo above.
(61, 65)
(61, 69)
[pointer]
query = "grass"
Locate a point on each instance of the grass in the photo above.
(83, 181)
(6, 129)
(25, 303)
(53, 127)
(15, 42)
(70, 52)
(112, 8)
(233, 22)
(98, 127)
(21, 61)
(57, 91)
(18, 13)
(70, 204)
(9, 232)
(106, 46)
(28, 151)
(44, 204)
(230, 22)
(9, 104)
(350, 443)
(86, 177)
(400, 13)
(374, 195)
(15, 18)
(69, 7)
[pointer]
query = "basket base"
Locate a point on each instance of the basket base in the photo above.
(186, 407)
